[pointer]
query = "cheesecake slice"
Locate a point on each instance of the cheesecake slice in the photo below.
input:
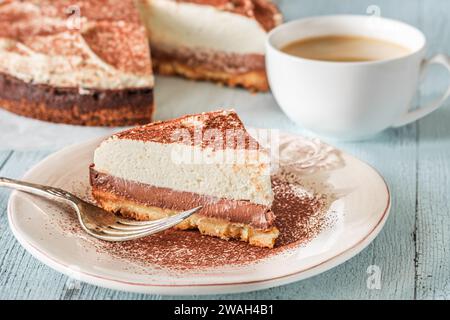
(218, 40)
(207, 159)
(81, 62)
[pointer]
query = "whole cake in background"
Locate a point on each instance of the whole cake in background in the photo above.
(207, 160)
(87, 62)
(90, 69)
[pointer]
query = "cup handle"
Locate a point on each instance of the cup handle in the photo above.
(420, 112)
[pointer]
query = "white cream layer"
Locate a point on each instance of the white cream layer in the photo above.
(175, 24)
(163, 165)
(75, 71)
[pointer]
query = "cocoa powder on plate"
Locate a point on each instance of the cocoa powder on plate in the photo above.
(300, 216)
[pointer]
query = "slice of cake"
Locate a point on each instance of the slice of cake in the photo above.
(207, 159)
(218, 40)
(78, 62)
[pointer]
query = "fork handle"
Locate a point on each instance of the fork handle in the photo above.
(39, 190)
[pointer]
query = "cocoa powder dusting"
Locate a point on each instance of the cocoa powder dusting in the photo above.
(300, 216)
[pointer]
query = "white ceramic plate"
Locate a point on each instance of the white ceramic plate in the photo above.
(360, 208)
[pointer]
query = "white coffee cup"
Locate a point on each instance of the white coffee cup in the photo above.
(349, 100)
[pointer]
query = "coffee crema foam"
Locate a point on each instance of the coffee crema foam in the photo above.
(345, 48)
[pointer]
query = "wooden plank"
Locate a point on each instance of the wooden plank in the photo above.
(433, 214)
(4, 156)
(433, 218)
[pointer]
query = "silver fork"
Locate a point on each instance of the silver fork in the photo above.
(96, 221)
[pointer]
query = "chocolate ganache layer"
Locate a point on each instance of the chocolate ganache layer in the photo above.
(240, 211)
(211, 60)
(116, 107)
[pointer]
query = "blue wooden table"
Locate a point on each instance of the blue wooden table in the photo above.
(413, 250)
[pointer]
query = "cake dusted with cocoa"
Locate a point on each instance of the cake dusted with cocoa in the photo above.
(206, 160)
(88, 62)
(218, 40)
(80, 62)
